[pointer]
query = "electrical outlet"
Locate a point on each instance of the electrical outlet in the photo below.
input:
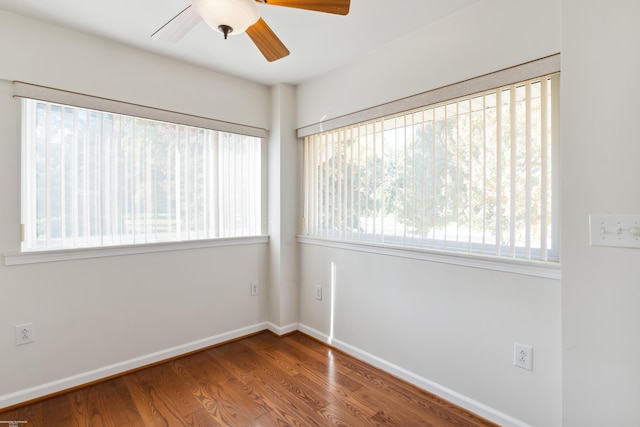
(318, 293)
(24, 333)
(255, 289)
(523, 356)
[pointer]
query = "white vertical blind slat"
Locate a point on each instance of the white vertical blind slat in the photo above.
(315, 167)
(147, 208)
(529, 183)
(513, 149)
(214, 184)
(406, 212)
(471, 178)
(325, 195)
(367, 174)
(383, 147)
(47, 180)
(75, 203)
(498, 190)
(339, 153)
(434, 183)
(177, 159)
(360, 179)
(352, 177)
(555, 148)
(345, 184)
(544, 163)
(309, 194)
(484, 169)
(447, 205)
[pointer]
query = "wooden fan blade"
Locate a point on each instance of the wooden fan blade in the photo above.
(338, 7)
(267, 41)
(178, 26)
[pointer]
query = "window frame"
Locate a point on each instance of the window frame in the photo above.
(57, 96)
(534, 69)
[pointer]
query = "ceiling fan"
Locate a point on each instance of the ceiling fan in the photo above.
(238, 16)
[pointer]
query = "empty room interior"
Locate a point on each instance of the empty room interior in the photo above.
(391, 205)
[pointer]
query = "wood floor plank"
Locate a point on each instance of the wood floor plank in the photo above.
(206, 391)
(29, 413)
(283, 406)
(325, 400)
(219, 390)
(153, 404)
(300, 401)
(350, 411)
(305, 390)
(262, 381)
(319, 367)
(105, 404)
(172, 386)
(58, 413)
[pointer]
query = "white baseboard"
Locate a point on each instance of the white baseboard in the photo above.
(314, 334)
(425, 384)
(128, 365)
(282, 330)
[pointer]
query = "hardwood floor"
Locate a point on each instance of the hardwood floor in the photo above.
(262, 380)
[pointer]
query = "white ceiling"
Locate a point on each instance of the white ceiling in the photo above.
(318, 42)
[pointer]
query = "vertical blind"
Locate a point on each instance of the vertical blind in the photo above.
(475, 174)
(92, 178)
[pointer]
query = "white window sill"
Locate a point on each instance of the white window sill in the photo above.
(71, 254)
(548, 270)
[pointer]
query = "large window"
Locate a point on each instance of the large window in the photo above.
(474, 174)
(93, 178)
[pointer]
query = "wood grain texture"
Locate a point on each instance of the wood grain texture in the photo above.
(338, 7)
(262, 380)
(266, 41)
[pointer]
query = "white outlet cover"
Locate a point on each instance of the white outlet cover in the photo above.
(318, 293)
(523, 356)
(254, 288)
(24, 333)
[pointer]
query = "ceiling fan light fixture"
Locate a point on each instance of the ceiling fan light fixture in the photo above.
(228, 16)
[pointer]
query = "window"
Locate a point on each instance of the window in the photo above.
(475, 174)
(93, 178)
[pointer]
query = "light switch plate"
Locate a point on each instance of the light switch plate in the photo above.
(622, 231)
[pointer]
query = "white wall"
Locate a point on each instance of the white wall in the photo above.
(600, 159)
(487, 36)
(97, 317)
(284, 164)
(451, 328)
